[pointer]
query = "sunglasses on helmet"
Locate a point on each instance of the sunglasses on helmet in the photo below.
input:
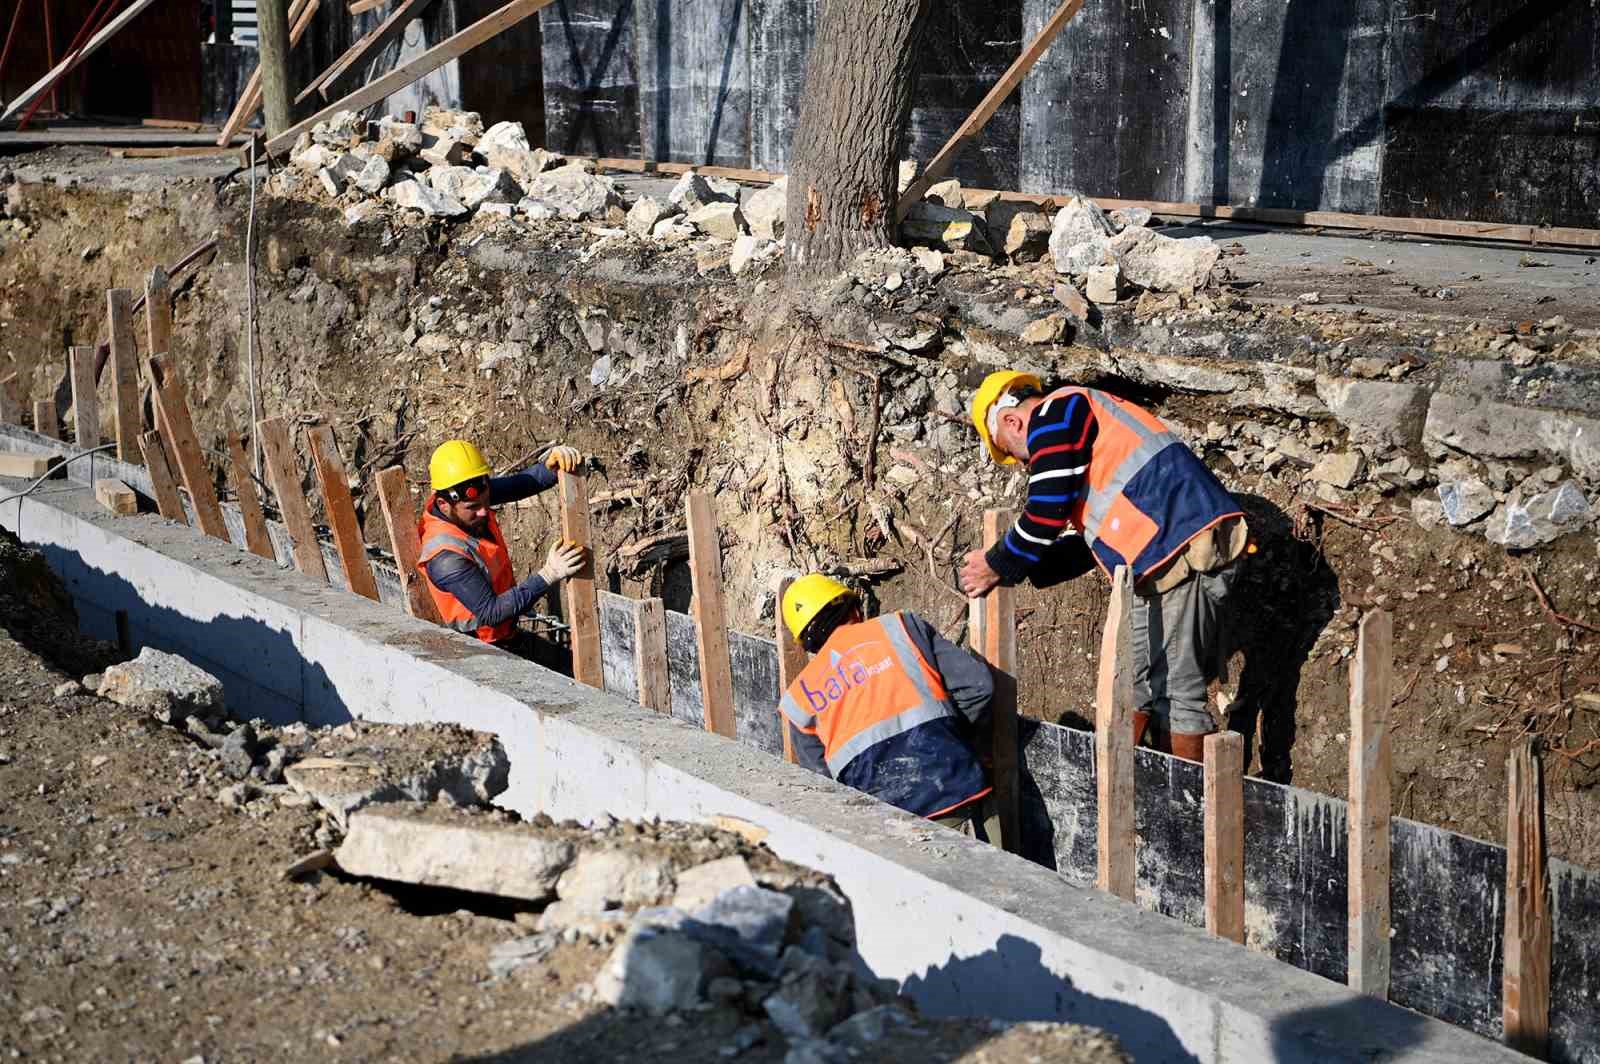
(470, 491)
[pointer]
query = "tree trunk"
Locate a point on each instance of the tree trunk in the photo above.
(272, 38)
(844, 170)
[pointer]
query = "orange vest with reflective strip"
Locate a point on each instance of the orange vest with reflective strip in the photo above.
(489, 553)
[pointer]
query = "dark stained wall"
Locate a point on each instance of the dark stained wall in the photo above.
(591, 83)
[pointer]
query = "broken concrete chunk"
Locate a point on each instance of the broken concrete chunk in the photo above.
(862, 1030)
(672, 231)
(908, 174)
(1103, 284)
(695, 190)
(397, 140)
(747, 250)
(700, 885)
(1464, 501)
(1027, 238)
(238, 751)
(947, 192)
(1387, 413)
(931, 261)
(471, 188)
(465, 125)
(1341, 470)
(1047, 330)
(765, 210)
(439, 846)
(1542, 519)
(612, 877)
(395, 763)
(588, 920)
(445, 150)
(813, 997)
(720, 219)
(949, 228)
(1163, 264)
(373, 175)
(344, 129)
(164, 685)
(506, 957)
(644, 214)
(503, 136)
(330, 182)
(658, 969)
(504, 146)
(1073, 300)
(572, 193)
(1128, 217)
(1080, 221)
(316, 157)
(415, 195)
(747, 924)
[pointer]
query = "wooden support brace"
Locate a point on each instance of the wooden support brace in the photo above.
(1113, 744)
(650, 654)
(278, 460)
(1371, 690)
(577, 593)
(400, 516)
(85, 402)
(183, 448)
(341, 509)
(994, 635)
(256, 537)
(10, 409)
(389, 30)
(117, 497)
(299, 15)
(124, 375)
(72, 59)
(169, 503)
(44, 418)
(1526, 986)
(157, 323)
(791, 662)
(710, 618)
(1224, 829)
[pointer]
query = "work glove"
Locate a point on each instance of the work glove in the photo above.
(564, 559)
(565, 459)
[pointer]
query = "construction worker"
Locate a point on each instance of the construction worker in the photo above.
(1109, 484)
(887, 706)
(464, 557)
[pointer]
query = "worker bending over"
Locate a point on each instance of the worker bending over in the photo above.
(888, 706)
(1108, 483)
(464, 557)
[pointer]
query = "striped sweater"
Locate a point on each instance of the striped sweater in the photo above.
(1061, 435)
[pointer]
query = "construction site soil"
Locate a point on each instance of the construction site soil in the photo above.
(833, 436)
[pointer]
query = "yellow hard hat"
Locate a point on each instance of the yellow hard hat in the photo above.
(809, 596)
(993, 387)
(455, 462)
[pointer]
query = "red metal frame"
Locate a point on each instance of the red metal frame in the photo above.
(98, 18)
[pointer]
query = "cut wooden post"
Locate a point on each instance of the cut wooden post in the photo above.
(1371, 689)
(124, 375)
(300, 14)
(1113, 744)
(941, 163)
(44, 418)
(10, 409)
(710, 620)
(995, 637)
(23, 466)
(577, 593)
(272, 44)
(1526, 986)
(1224, 828)
(400, 516)
(157, 313)
(791, 662)
(256, 537)
(169, 503)
(650, 654)
(341, 509)
(278, 461)
(184, 449)
(85, 403)
(117, 497)
(390, 29)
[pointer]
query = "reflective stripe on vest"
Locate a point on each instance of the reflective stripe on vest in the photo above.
(489, 554)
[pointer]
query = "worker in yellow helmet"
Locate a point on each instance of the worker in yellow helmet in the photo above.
(888, 706)
(464, 557)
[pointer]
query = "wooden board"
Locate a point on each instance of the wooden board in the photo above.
(157, 313)
(341, 510)
(169, 503)
(85, 402)
(360, 7)
(577, 593)
(44, 418)
(650, 655)
(1526, 987)
(184, 449)
(710, 618)
(391, 28)
(400, 517)
(407, 73)
(299, 16)
(1113, 743)
(171, 152)
(791, 662)
(10, 409)
(1224, 812)
(124, 372)
(89, 47)
(256, 538)
(23, 466)
(117, 497)
(1371, 689)
(278, 462)
(998, 646)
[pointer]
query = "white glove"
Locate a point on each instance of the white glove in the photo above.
(565, 459)
(563, 560)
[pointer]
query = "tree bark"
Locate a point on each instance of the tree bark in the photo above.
(844, 173)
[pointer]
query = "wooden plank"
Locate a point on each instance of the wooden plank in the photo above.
(44, 418)
(1113, 745)
(1224, 842)
(256, 538)
(157, 313)
(389, 30)
(577, 593)
(182, 447)
(1526, 986)
(710, 617)
(791, 662)
(400, 516)
(71, 61)
(278, 461)
(1371, 690)
(650, 655)
(23, 466)
(998, 645)
(300, 14)
(491, 25)
(341, 509)
(169, 503)
(85, 403)
(360, 7)
(170, 152)
(170, 123)
(124, 373)
(655, 166)
(10, 409)
(941, 163)
(116, 496)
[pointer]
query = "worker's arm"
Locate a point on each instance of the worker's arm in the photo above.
(808, 750)
(460, 576)
(966, 677)
(534, 479)
(1061, 434)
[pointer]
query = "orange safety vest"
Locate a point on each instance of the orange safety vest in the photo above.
(489, 553)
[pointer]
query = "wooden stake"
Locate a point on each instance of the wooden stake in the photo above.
(577, 593)
(791, 662)
(300, 15)
(941, 163)
(1113, 744)
(10, 409)
(1371, 690)
(272, 43)
(124, 375)
(1526, 986)
(44, 418)
(184, 449)
(256, 537)
(995, 637)
(394, 495)
(117, 497)
(650, 654)
(157, 313)
(341, 509)
(390, 29)
(169, 503)
(1224, 827)
(85, 403)
(278, 456)
(710, 621)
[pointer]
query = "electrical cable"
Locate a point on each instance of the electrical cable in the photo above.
(250, 312)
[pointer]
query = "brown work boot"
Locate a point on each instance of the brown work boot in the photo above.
(1189, 747)
(1141, 721)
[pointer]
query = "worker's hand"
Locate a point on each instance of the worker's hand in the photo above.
(565, 459)
(976, 576)
(565, 558)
